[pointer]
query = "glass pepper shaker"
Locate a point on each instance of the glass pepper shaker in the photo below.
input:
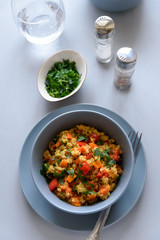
(104, 33)
(125, 65)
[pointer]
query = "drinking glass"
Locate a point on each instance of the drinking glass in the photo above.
(39, 21)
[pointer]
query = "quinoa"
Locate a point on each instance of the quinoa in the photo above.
(82, 165)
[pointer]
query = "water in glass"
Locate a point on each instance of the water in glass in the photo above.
(41, 22)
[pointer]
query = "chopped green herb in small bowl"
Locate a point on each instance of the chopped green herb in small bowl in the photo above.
(62, 75)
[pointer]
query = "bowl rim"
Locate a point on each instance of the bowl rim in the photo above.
(49, 98)
(89, 209)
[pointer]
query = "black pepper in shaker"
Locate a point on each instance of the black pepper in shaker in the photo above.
(125, 65)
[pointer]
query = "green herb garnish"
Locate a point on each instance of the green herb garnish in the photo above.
(100, 142)
(82, 138)
(59, 175)
(62, 79)
(61, 181)
(44, 169)
(89, 192)
(74, 188)
(105, 156)
(71, 172)
(110, 163)
(97, 152)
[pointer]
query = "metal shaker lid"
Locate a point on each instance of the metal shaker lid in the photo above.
(126, 58)
(104, 27)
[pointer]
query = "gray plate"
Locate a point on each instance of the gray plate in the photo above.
(71, 221)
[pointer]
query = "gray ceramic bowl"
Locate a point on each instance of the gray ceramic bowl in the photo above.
(67, 121)
(115, 5)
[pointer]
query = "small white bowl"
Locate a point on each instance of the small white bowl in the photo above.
(48, 64)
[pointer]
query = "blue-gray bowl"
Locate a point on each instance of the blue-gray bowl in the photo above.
(66, 121)
(115, 5)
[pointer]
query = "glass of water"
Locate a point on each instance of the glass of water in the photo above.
(39, 21)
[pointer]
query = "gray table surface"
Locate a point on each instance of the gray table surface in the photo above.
(22, 107)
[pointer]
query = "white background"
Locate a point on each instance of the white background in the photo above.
(22, 107)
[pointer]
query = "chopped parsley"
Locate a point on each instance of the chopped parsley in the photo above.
(74, 188)
(44, 169)
(97, 152)
(89, 192)
(62, 79)
(82, 138)
(100, 142)
(59, 175)
(61, 181)
(105, 156)
(71, 172)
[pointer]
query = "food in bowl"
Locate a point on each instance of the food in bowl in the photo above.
(62, 78)
(61, 88)
(82, 165)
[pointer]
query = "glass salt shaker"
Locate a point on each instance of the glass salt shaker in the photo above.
(125, 65)
(104, 33)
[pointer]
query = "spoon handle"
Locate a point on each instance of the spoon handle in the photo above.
(96, 232)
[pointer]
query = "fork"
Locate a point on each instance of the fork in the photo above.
(135, 140)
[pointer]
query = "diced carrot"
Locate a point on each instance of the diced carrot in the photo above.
(70, 178)
(75, 201)
(53, 184)
(69, 136)
(58, 143)
(77, 161)
(93, 145)
(105, 189)
(91, 197)
(63, 187)
(63, 163)
(97, 164)
(83, 150)
(68, 190)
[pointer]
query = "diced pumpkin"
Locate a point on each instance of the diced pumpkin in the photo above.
(93, 145)
(105, 189)
(69, 136)
(91, 197)
(58, 143)
(75, 201)
(83, 150)
(63, 163)
(77, 161)
(97, 164)
(70, 178)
